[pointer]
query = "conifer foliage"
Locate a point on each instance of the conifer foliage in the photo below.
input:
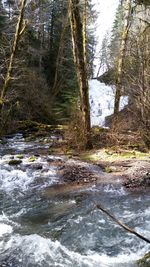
(38, 80)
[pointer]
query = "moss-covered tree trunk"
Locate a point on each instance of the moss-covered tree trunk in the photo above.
(78, 39)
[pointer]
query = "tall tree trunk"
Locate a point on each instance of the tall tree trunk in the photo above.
(51, 30)
(56, 88)
(19, 30)
(79, 59)
(124, 38)
(41, 34)
(85, 32)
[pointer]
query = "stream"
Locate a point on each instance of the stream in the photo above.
(47, 230)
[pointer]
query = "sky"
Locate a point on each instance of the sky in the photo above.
(106, 13)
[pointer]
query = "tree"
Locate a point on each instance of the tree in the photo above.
(78, 40)
(2, 16)
(9, 4)
(137, 69)
(123, 44)
(19, 30)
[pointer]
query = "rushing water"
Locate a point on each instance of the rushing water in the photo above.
(38, 229)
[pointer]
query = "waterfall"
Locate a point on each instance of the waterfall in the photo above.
(102, 102)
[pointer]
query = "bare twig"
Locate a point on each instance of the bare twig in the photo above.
(127, 228)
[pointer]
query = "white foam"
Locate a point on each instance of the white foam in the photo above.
(12, 179)
(15, 179)
(115, 191)
(147, 212)
(5, 229)
(40, 250)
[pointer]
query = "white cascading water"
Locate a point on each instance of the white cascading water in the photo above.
(102, 102)
(46, 230)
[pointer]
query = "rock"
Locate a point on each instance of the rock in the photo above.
(37, 155)
(138, 175)
(15, 162)
(75, 173)
(50, 160)
(32, 159)
(19, 156)
(145, 261)
(36, 166)
(108, 169)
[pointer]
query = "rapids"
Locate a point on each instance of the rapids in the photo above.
(40, 230)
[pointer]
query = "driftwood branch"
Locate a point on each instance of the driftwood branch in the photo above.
(130, 230)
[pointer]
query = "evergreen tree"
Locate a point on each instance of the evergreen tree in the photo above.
(2, 17)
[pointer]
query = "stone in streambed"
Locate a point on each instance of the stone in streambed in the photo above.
(15, 162)
(36, 166)
(32, 159)
(145, 261)
(19, 156)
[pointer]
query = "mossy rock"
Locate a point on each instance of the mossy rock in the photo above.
(108, 169)
(19, 156)
(97, 130)
(145, 261)
(15, 162)
(32, 159)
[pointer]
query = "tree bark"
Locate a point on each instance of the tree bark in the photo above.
(124, 38)
(79, 54)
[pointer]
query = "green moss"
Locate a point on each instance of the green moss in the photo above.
(97, 130)
(111, 155)
(28, 124)
(32, 159)
(19, 156)
(145, 261)
(108, 169)
(14, 162)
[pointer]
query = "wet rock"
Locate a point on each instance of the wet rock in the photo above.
(138, 175)
(50, 160)
(76, 173)
(36, 166)
(145, 261)
(11, 157)
(37, 155)
(32, 159)
(15, 162)
(32, 167)
(143, 181)
(19, 156)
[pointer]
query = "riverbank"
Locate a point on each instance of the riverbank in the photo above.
(127, 162)
(134, 176)
(48, 197)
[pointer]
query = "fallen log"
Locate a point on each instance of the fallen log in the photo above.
(124, 226)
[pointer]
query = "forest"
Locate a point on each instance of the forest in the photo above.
(47, 58)
(74, 134)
